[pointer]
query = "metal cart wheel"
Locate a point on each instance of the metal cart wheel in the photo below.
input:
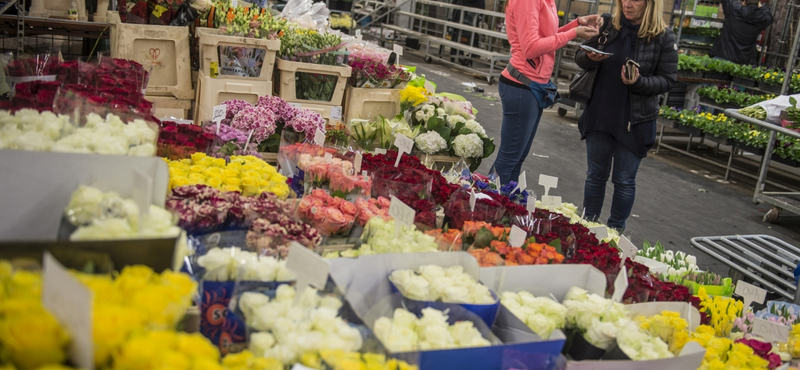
(428, 59)
(772, 215)
(562, 112)
(490, 80)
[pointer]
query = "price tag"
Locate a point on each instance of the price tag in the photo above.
(71, 303)
(380, 151)
(531, 205)
(336, 113)
(357, 163)
(296, 105)
(431, 88)
(234, 3)
(319, 137)
(301, 367)
(627, 248)
(358, 35)
(600, 232)
(399, 51)
(311, 268)
(402, 214)
(218, 113)
(551, 202)
(771, 331)
(142, 194)
(328, 158)
(522, 182)
(472, 200)
(247, 143)
(404, 145)
(750, 293)
(620, 285)
(549, 182)
(517, 236)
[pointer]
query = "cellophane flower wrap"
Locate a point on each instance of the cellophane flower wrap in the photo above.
(380, 236)
(330, 215)
(429, 332)
(437, 284)
(490, 246)
(250, 22)
(411, 186)
(367, 208)
(39, 95)
(457, 210)
(368, 73)
(543, 315)
(320, 170)
(180, 141)
(43, 67)
(441, 189)
(133, 11)
(163, 11)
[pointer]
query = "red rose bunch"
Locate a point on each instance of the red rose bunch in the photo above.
(181, 141)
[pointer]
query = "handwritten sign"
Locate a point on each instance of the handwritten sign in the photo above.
(319, 137)
(310, 267)
(750, 293)
(517, 236)
(218, 113)
(472, 200)
(380, 151)
(522, 182)
(71, 303)
(600, 232)
(551, 202)
(549, 182)
(620, 285)
(402, 214)
(404, 145)
(771, 331)
(336, 113)
(357, 162)
(627, 248)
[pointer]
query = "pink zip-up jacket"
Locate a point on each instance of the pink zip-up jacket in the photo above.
(532, 27)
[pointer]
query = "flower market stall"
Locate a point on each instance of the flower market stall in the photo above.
(322, 210)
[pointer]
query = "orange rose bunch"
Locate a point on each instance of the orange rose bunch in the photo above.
(489, 245)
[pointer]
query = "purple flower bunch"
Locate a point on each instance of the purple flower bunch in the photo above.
(283, 111)
(234, 106)
(307, 121)
(260, 120)
(272, 236)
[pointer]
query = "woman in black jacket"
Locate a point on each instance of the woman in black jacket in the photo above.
(619, 123)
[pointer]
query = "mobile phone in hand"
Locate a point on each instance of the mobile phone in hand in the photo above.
(590, 49)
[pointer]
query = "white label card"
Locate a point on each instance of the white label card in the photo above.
(551, 202)
(296, 105)
(627, 248)
(750, 293)
(472, 200)
(522, 182)
(328, 158)
(247, 143)
(218, 113)
(402, 214)
(71, 303)
(358, 35)
(380, 151)
(234, 3)
(771, 331)
(142, 194)
(549, 182)
(531, 205)
(620, 285)
(600, 232)
(336, 113)
(310, 268)
(517, 236)
(404, 145)
(319, 137)
(357, 163)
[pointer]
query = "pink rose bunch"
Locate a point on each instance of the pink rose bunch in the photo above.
(294, 152)
(372, 207)
(330, 215)
(273, 237)
(308, 122)
(351, 184)
(320, 171)
(365, 51)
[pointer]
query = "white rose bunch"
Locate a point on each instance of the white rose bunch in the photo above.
(640, 345)
(543, 315)
(230, 264)
(286, 331)
(430, 142)
(434, 283)
(404, 332)
(600, 319)
(379, 237)
(468, 146)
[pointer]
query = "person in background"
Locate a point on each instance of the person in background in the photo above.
(619, 123)
(525, 87)
(744, 21)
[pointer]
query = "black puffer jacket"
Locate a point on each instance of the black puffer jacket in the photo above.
(743, 24)
(658, 68)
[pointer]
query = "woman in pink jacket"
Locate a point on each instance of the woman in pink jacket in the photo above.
(525, 87)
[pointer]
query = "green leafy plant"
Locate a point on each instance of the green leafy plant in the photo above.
(701, 31)
(725, 95)
(793, 113)
(690, 63)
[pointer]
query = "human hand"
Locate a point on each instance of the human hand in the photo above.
(597, 57)
(625, 79)
(585, 32)
(595, 21)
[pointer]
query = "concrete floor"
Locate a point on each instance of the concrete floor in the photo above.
(677, 198)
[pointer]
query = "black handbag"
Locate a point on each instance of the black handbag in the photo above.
(580, 89)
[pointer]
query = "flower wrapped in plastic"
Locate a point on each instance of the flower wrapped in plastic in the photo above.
(542, 314)
(273, 237)
(404, 332)
(39, 95)
(367, 208)
(179, 141)
(330, 215)
(412, 186)
(457, 210)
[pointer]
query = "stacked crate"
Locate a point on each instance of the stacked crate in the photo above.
(330, 108)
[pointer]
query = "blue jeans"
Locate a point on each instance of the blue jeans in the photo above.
(521, 115)
(603, 153)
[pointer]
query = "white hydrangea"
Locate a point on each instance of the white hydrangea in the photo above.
(431, 142)
(475, 127)
(453, 120)
(468, 146)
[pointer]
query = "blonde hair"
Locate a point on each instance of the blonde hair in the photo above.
(652, 21)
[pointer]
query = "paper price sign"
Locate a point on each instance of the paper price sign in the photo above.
(472, 200)
(750, 293)
(517, 236)
(620, 285)
(522, 182)
(531, 205)
(357, 162)
(218, 113)
(328, 158)
(551, 202)
(296, 105)
(401, 213)
(549, 182)
(380, 151)
(600, 232)
(310, 267)
(628, 249)
(336, 113)
(319, 137)
(358, 35)
(771, 331)
(404, 145)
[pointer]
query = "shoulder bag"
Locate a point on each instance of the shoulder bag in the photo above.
(580, 89)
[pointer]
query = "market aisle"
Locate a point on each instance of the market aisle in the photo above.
(670, 206)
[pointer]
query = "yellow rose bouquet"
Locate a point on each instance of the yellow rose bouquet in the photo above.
(341, 360)
(246, 174)
(670, 327)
